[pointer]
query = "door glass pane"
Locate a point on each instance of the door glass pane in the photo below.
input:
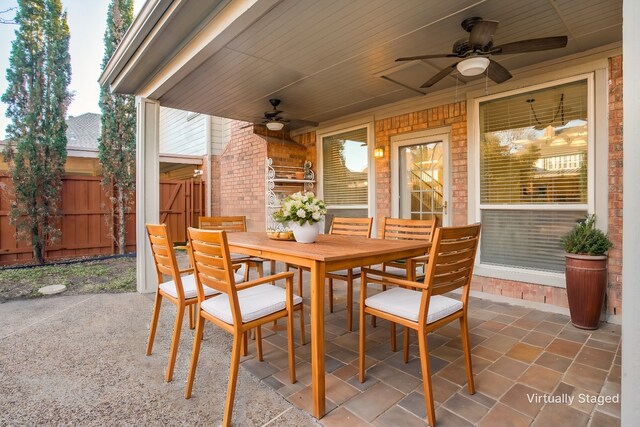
(421, 181)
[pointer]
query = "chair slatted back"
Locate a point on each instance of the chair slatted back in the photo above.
(209, 253)
(452, 258)
(351, 226)
(164, 256)
(409, 229)
(229, 224)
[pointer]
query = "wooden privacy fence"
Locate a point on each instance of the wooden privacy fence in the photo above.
(86, 217)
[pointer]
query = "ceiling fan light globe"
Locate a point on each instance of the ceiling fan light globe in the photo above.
(473, 66)
(275, 126)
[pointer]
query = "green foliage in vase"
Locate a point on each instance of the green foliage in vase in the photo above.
(301, 208)
(585, 238)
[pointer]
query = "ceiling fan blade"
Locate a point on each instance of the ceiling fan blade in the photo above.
(531, 45)
(441, 75)
(272, 113)
(497, 72)
(482, 33)
(437, 55)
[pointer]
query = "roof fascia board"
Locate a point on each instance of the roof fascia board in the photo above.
(143, 23)
(135, 59)
(186, 159)
(229, 22)
(79, 152)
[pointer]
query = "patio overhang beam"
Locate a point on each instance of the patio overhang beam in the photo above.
(142, 25)
(128, 70)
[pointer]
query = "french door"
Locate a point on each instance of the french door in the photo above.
(420, 189)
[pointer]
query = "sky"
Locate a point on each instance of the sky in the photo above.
(87, 22)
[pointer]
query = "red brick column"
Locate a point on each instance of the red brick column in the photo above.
(241, 177)
(614, 289)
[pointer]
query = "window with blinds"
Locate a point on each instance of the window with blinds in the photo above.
(533, 161)
(345, 170)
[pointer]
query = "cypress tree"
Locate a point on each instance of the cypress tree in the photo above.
(37, 99)
(117, 147)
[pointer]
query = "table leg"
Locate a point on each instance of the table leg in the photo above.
(317, 338)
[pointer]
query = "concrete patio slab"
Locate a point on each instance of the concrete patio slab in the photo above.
(79, 360)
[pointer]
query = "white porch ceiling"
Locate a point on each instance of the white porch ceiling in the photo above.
(324, 59)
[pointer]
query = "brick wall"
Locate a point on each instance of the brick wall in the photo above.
(454, 116)
(451, 115)
(215, 186)
(242, 182)
(614, 289)
(308, 140)
(238, 175)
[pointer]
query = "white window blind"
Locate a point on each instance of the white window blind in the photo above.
(533, 159)
(345, 169)
(526, 238)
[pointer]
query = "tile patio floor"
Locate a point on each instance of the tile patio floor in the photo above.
(521, 357)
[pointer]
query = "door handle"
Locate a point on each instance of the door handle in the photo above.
(444, 207)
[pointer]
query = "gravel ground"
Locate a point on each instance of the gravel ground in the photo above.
(79, 361)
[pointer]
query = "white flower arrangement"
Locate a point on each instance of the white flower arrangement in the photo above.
(301, 208)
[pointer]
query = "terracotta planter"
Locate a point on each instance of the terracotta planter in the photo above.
(586, 277)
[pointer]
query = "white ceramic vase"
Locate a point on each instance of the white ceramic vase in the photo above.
(306, 233)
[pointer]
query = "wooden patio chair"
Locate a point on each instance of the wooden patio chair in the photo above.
(178, 289)
(238, 223)
(346, 227)
(421, 306)
(406, 229)
(239, 308)
(231, 224)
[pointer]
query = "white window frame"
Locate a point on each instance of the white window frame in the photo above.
(595, 154)
(371, 175)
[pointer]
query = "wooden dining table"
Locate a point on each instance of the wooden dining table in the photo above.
(328, 253)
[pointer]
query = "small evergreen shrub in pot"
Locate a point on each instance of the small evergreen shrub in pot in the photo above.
(586, 272)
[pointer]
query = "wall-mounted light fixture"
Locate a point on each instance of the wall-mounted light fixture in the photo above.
(378, 152)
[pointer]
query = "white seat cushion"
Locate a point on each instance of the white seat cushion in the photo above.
(239, 257)
(400, 272)
(355, 272)
(406, 303)
(188, 286)
(255, 302)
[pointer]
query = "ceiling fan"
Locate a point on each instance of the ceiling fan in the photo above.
(475, 52)
(272, 119)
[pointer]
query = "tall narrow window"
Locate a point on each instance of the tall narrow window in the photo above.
(533, 175)
(345, 173)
